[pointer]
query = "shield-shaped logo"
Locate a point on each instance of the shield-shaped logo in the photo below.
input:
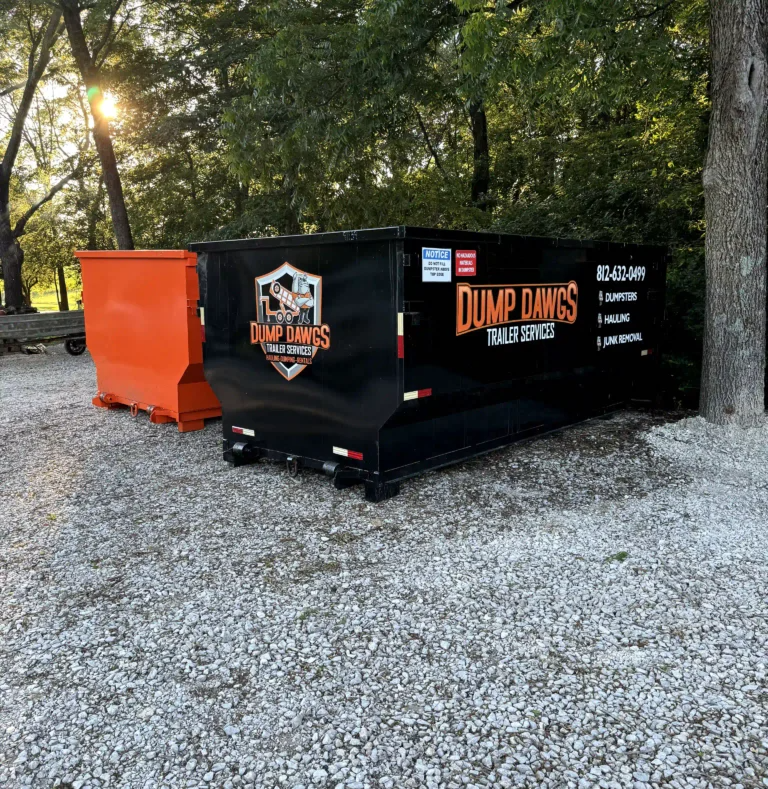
(288, 323)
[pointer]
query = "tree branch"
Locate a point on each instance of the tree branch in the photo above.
(429, 143)
(36, 71)
(115, 36)
(11, 88)
(648, 14)
(107, 31)
(18, 230)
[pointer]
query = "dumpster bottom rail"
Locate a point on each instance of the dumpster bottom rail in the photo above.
(240, 453)
(187, 421)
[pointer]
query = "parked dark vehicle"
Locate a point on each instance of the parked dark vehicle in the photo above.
(375, 355)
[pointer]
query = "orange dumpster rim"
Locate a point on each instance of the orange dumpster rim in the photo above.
(134, 253)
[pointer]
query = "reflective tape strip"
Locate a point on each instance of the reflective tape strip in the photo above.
(243, 431)
(649, 352)
(417, 394)
(347, 453)
(400, 330)
(202, 316)
(400, 337)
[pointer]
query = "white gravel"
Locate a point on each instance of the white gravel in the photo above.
(586, 610)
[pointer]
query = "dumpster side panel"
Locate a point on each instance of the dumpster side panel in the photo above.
(301, 346)
(516, 336)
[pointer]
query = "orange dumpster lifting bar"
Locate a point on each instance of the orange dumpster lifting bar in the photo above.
(144, 334)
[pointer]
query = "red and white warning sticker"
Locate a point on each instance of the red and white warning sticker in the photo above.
(466, 262)
(243, 431)
(417, 394)
(348, 453)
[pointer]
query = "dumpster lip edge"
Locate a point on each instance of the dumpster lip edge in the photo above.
(135, 254)
(407, 232)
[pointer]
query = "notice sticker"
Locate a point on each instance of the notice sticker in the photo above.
(435, 264)
(466, 263)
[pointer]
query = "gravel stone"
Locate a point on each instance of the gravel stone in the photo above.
(586, 610)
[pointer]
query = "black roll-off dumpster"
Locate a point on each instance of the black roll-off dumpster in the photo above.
(375, 355)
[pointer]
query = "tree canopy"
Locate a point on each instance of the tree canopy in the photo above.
(583, 118)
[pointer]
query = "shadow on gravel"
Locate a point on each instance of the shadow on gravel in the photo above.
(603, 460)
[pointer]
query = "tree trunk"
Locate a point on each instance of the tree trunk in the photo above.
(735, 181)
(26, 286)
(240, 199)
(12, 256)
(94, 215)
(92, 80)
(480, 157)
(291, 224)
(11, 252)
(63, 295)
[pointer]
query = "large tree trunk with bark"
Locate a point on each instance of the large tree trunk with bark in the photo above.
(12, 256)
(101, 137)
(735, 181)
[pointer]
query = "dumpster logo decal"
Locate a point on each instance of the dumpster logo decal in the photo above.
(483, 306)
(288, 323)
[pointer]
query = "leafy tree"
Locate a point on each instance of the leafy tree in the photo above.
(48, 258)
(34, 31)
(89, 60)
(358, 112)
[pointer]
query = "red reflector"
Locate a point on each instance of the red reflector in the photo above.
(424, 392)
(401, 347)
(354, 455)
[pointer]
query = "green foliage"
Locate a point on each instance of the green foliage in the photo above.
(356, 116)
(284, 116)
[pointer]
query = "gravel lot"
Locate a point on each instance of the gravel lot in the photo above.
(586, 610)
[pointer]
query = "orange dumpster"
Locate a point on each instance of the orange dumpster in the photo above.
(144, 334)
